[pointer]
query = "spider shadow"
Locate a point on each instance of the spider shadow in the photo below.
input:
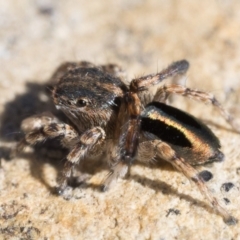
(35, 100)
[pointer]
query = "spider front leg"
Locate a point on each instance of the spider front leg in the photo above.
(165, 152)
(41, 127)
(128, 140)
(86, 144)
(164, 91)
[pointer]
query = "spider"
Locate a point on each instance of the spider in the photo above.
(122, 123)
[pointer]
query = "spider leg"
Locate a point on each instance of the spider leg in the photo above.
(128, 140)
(118, 170)
(42, 127)
(165, 152)
(142, 83)
(39, 128)
(85, 145)
(164, 91)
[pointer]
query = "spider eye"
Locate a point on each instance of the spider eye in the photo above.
(81, 103)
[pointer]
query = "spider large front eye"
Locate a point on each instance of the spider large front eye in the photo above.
(81, 102)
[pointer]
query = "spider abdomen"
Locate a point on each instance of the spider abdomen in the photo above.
(188, 136)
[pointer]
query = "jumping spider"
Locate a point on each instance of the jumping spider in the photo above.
(122, 123)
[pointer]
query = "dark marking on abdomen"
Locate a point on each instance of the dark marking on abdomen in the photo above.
(165, 132)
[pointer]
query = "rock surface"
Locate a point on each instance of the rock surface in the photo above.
(154, 202)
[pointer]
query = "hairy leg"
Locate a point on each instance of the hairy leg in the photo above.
(128, 140)
(165, 152)
(129, 137)
(86, 144)
(142, 83)
(41, 127)
(163, 93)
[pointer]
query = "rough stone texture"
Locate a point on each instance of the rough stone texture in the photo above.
(155, 202)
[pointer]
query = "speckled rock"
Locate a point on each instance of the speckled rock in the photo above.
(154, 202)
